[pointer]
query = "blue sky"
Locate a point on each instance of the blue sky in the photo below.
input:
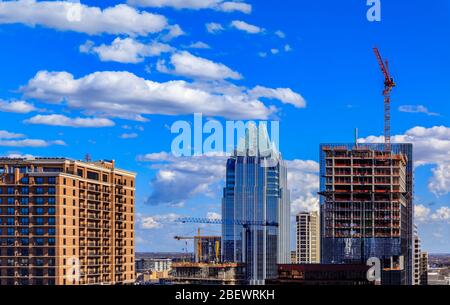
(112, 86)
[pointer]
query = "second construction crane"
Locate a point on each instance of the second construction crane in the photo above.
(389, 84)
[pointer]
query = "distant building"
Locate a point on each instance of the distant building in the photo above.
(436, 277)
(416, 253)
(308, 238)
(256, 191)
(207, 274)
(153, 264)
(367, 208)
(423, 269)
(65, 222)
(293, 257)
(322, 274)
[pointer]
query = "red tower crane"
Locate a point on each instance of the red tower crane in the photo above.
(389, 84)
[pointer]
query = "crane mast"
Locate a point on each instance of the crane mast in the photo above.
(389, 84)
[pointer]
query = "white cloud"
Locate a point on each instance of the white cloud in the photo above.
(132, 135)
(16, 106)
(218, 5)
(303, 182)
(274, 51)
(213, 215)
(440, 182)
(246, 27)
(125, 95)
(285, 95)
(262, 54)
(416, 109)
(180, 179)
(155, 221)
(280, 34)
(61, 120)
(441, 214)
(174, 32)
(10, 135)
(214, 27)
(186, 64)
(287, 48)
(127, 50)
(199, 45)
(70, 16)
(431, 147)
(421, 213)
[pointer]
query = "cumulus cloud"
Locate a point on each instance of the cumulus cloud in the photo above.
(126, 50)
(285, 95)
(10, 135)
(11, 139)
(61, 120)
(174, 32)
(303, 182)
(132, 135)
(70, 16)
(246, 27)
(155, 221)
(431, 147)
(180, 179)
(421, 213)
(416, 109)
(16, 106)
(441, 214)
(125, 95)
(186, 64)
(218, 5)
(280, 34)
(214, 27)
(198, 45)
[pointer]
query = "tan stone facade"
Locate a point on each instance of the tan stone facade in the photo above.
(66, 222)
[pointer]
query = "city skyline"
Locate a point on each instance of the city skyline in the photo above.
(246, 52)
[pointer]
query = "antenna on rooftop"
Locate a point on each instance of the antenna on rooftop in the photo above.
(87, 158)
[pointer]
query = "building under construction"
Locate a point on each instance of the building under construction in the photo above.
(366, 207)
(208, 274)
(207, 249)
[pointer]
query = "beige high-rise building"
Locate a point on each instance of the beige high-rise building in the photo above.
(308, 238)
(66, 222)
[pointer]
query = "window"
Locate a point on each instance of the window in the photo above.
(24, 180)
(39, 180)
(24, 231)
(11, 231)
(51, 190)
(10, 200)
(51, 211)
(39, 221)
(24, 221)
(51, 220)
(39, 211)
(24, 190)
(10, 190)
(24, 200)
(51, 242)
(10, 221)
(39, 190)
(52, 180)
(39, 231)
(51, 231)
(39, 200)
(24, 211)
(51, 200)
(39, 241)
(10, 211)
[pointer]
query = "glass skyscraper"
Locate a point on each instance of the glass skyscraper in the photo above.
(367, 207)
(256, 192)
